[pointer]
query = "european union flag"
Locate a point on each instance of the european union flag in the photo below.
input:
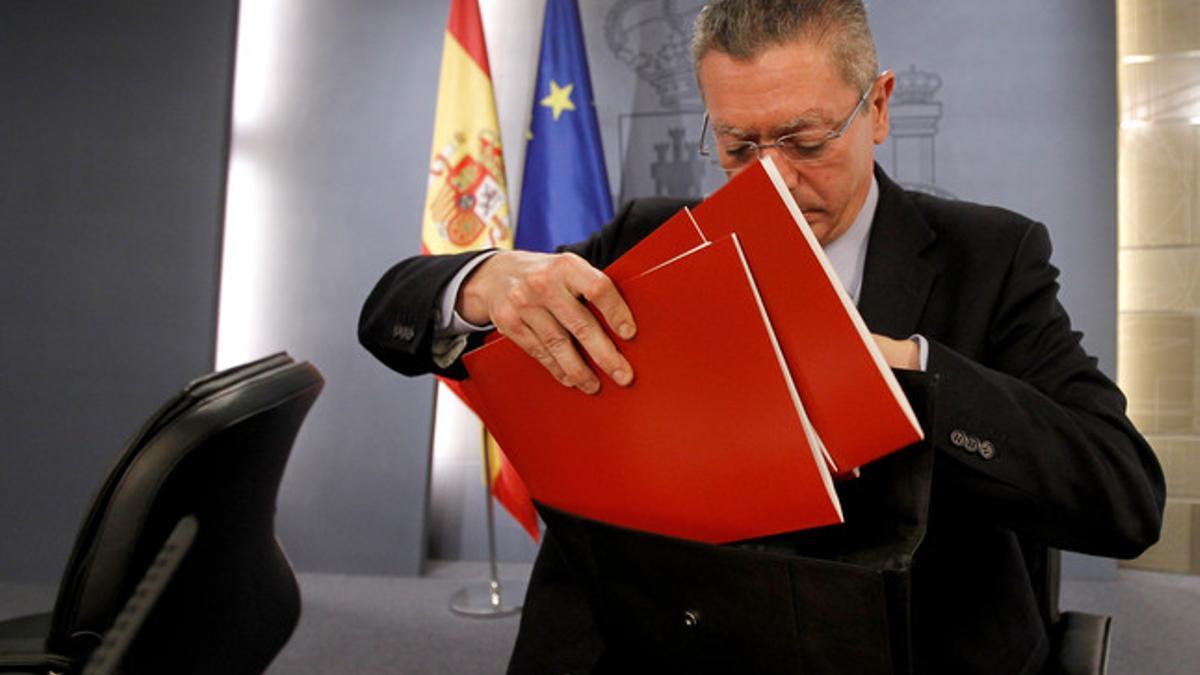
(564, 194)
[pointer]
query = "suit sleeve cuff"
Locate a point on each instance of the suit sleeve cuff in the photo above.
(923, 346)
(449, 323)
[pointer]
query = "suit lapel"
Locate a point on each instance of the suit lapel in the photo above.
(896, 278)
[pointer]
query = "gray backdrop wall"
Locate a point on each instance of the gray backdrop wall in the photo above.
(1004, 103)
(343, 160)
(113, 133)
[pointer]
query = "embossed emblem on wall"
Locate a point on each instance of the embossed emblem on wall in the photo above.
(658, 138)
(914, 114)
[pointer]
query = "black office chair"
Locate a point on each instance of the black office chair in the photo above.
(1079, 642)
(106, 659)
(217, 451)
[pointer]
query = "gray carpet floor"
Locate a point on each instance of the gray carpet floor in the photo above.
(397, 625)
(366, 625)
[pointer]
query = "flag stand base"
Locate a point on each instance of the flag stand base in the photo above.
(489, 599)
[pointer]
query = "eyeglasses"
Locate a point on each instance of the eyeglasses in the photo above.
(802, 146)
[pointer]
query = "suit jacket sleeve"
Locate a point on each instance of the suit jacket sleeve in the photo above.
(397, 320)
(1037, 440)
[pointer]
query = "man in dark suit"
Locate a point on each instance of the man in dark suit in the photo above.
(1027, 442)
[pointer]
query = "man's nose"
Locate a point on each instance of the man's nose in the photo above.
(787, 169)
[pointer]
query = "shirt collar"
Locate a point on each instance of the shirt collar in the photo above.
(848, 253)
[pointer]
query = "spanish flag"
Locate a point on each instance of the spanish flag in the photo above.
(466, 204)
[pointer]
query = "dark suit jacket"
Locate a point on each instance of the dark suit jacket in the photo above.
(1029, 443)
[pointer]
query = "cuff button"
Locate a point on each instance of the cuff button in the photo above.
(691, 618)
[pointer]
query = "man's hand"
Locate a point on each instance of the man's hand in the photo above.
(900, 354)
(534, 300)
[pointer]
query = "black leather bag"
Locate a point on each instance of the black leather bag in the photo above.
(830, 600)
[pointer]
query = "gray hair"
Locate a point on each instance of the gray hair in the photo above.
(744, 28)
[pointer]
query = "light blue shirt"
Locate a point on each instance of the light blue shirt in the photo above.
(848, 253)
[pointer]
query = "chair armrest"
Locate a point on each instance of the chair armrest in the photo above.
(34, 662)
(23, 646)
(1082, 643)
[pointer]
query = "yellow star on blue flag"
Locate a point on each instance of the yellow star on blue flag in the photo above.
(559, 99)
(564, 192)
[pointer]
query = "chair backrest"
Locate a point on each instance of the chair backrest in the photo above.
(106, 659)
(216, 450)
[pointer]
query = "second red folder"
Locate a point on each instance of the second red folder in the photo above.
(709, 443)
(854, 399)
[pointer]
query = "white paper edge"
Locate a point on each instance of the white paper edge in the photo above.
(873, 349)
(816, 446)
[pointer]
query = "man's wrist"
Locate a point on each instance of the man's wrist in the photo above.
(449, 320)
(922, 351)
(471, 306)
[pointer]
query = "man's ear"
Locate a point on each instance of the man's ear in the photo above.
(879, 106)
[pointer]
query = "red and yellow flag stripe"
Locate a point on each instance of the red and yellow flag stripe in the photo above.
(466, 205)
(466, 202)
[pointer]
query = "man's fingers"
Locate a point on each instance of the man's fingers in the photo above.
(526, 339)
(583, 325)
(554, 341)
(598, 289)
(535, 300)
(583, 280)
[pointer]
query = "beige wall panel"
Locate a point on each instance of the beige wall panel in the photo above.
(1158, 263)
(1195, 568)
(1156, 366)
(1173, 552)
(1159, 87)
(1159, 280)
(1157, 25)
(1178, 25)
(1159, 169)
(1180, 459)
(1127, 34)
(1136, 23)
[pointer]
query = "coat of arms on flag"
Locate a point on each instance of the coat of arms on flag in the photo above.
(468, 204)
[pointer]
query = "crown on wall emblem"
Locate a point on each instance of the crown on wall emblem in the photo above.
(653, 38)
(916, 86)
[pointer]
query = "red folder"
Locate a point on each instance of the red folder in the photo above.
(678, 235)
(673, 238)
(849, 391)
(709, 443)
